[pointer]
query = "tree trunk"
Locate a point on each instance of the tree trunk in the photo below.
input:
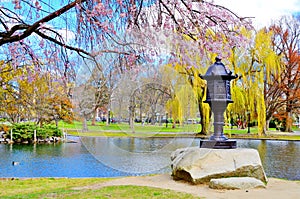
(84, 124)
(56, 122)
(288, 118)
(268, 123)
(141, 113)
(131, 115)
(152, 119)
(108, 118)
(94, 117)
(289, 122)
(264, 130)
(159, 120)
(203, 120)
(153, 115)
(131, 122)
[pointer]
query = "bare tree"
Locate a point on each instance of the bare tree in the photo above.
(285, 89)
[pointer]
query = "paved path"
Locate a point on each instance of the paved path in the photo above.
(276, 188)
(285, 133)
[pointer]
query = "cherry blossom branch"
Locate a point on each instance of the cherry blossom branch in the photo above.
(29, 29)
(78, 50)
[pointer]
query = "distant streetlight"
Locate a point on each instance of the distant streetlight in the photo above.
(166, 120)
(248, 114)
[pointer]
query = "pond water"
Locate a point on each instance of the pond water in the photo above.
(113, 157)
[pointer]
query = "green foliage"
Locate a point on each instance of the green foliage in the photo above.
(3, 119)
(49, 131)
(25, 132)
(255, 67)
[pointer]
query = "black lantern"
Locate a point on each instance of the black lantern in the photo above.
(218, 96)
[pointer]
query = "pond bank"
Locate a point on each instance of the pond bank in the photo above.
(276, 188)
(295, 136)
(88, 187)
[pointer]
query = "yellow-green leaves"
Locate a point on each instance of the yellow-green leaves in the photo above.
(255, 66)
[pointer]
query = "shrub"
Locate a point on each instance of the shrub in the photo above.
(25, 132)
(52, 131)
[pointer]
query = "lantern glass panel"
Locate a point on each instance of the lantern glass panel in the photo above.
(219, 89)
(228, 90)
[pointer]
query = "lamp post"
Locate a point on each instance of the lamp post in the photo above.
(166, 120)
(248, 114)
(218, 96)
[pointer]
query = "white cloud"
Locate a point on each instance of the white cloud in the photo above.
(264, 11)
(68, 35)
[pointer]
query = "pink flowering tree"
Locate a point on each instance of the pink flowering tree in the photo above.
(55, 37)
(47, 35)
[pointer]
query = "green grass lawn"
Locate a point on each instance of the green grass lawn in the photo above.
(73, 188)
(124, 127)
(147, 130)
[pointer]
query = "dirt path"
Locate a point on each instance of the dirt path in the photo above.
(276, 188)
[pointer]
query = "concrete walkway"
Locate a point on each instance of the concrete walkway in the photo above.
(284, 133)
(276, 188)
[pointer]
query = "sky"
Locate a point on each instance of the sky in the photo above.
(264, 11)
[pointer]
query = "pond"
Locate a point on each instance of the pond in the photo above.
(113, 157)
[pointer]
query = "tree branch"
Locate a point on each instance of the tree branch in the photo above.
(7, 38)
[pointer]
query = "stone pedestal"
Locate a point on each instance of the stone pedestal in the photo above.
(213, 144)
(200, 165)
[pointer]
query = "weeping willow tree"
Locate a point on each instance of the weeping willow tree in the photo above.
(181, 73)
(183, 102)
(183, 105)
(191, 65)
(199, 88)
(237, 109)
(255, 66)
(189, 71)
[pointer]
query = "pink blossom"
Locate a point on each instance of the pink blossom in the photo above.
(41, 44)
(17, 4)
(18, 7)
(37, 5)
(120, 2)
(123, 14)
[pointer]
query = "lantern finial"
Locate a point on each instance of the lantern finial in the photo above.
(218, 59)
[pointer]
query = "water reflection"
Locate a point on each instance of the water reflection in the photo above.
(103, 157)
(280, 159)
(60, 160)
(135, 155)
